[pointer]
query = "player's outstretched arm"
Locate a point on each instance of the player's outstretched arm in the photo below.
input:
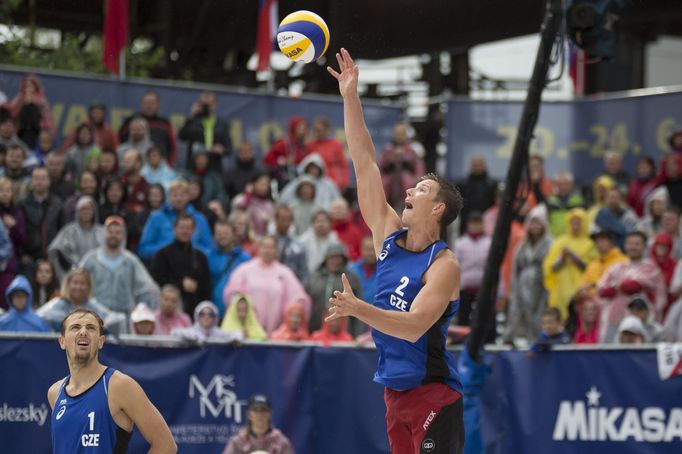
(129, 396)
(441, 287)
(377, 213)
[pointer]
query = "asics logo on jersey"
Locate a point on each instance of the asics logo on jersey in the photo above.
(384, 253)
(60, 413)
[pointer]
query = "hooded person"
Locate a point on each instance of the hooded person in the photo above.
(241, 317)
(285, 154)
(294, 327)
(76, 238)
(303, 204)
(206, 326)
(326, 190)
(20, 317)
(327, 278)
(661, 253)
(333, 331)
(656, 203)
(528, 294)
(566, 260)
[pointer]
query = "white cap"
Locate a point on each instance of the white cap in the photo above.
(632, 324)
(142, 313)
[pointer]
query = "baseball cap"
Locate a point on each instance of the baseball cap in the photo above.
(259, 400)
(632, 324)
(142, 313)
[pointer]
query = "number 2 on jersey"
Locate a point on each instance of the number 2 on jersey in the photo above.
(403, 283)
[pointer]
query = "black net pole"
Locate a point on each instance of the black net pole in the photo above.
(487, 295)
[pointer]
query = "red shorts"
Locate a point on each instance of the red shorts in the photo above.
(427, 419)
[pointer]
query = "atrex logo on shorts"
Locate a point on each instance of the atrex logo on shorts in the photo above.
(428, 445)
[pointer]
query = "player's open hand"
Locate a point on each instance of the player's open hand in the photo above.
(343, 303)
(348, 75)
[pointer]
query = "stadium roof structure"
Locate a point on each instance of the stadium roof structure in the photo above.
(218, 36)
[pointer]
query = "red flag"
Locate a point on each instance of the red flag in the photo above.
(267, 28)
(115, 32)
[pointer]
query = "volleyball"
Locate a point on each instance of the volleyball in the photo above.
(303, 36)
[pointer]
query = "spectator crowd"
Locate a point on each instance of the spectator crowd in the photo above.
(228, 245)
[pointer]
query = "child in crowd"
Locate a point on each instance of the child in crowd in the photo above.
(552, 331)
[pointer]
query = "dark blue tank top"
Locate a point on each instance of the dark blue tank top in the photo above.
(402, 364)
(83, 423)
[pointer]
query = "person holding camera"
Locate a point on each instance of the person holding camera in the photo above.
(204, 131)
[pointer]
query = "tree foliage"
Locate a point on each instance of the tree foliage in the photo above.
(72, 52)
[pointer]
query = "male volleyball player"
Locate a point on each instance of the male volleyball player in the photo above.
(95, 407)
(417, 290)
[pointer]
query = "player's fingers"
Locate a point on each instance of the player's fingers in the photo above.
(347, 57)
(331, 71)
(346, 284)
(342, 64)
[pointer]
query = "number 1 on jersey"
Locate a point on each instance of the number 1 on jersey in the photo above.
(91, 417)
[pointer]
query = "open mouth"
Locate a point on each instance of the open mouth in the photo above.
(408, 205)
(83, 342)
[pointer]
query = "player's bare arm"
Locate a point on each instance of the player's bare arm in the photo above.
(130, 406)
(441, 285)
(377, 213)
(53, 391)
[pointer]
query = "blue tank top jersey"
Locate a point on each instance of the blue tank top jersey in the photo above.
(83, 423)
(402, 364)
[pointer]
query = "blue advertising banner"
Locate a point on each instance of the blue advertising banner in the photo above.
(570, 135)
(563, 402)
(324, 399)
(257, 118)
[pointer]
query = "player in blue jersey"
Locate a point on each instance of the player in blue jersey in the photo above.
(417, 293)
(95, 407)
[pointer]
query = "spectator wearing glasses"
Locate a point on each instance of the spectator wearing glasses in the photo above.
(206, 326)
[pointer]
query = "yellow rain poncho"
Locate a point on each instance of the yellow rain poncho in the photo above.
(251, 328)
(563, 282)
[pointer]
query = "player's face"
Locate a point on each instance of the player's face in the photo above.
(420, 203)
(81, 339)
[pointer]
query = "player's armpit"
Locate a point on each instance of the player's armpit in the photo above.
(129, 396)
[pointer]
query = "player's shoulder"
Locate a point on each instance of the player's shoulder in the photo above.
(121, 381)
(445, 261)
(53, 390)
